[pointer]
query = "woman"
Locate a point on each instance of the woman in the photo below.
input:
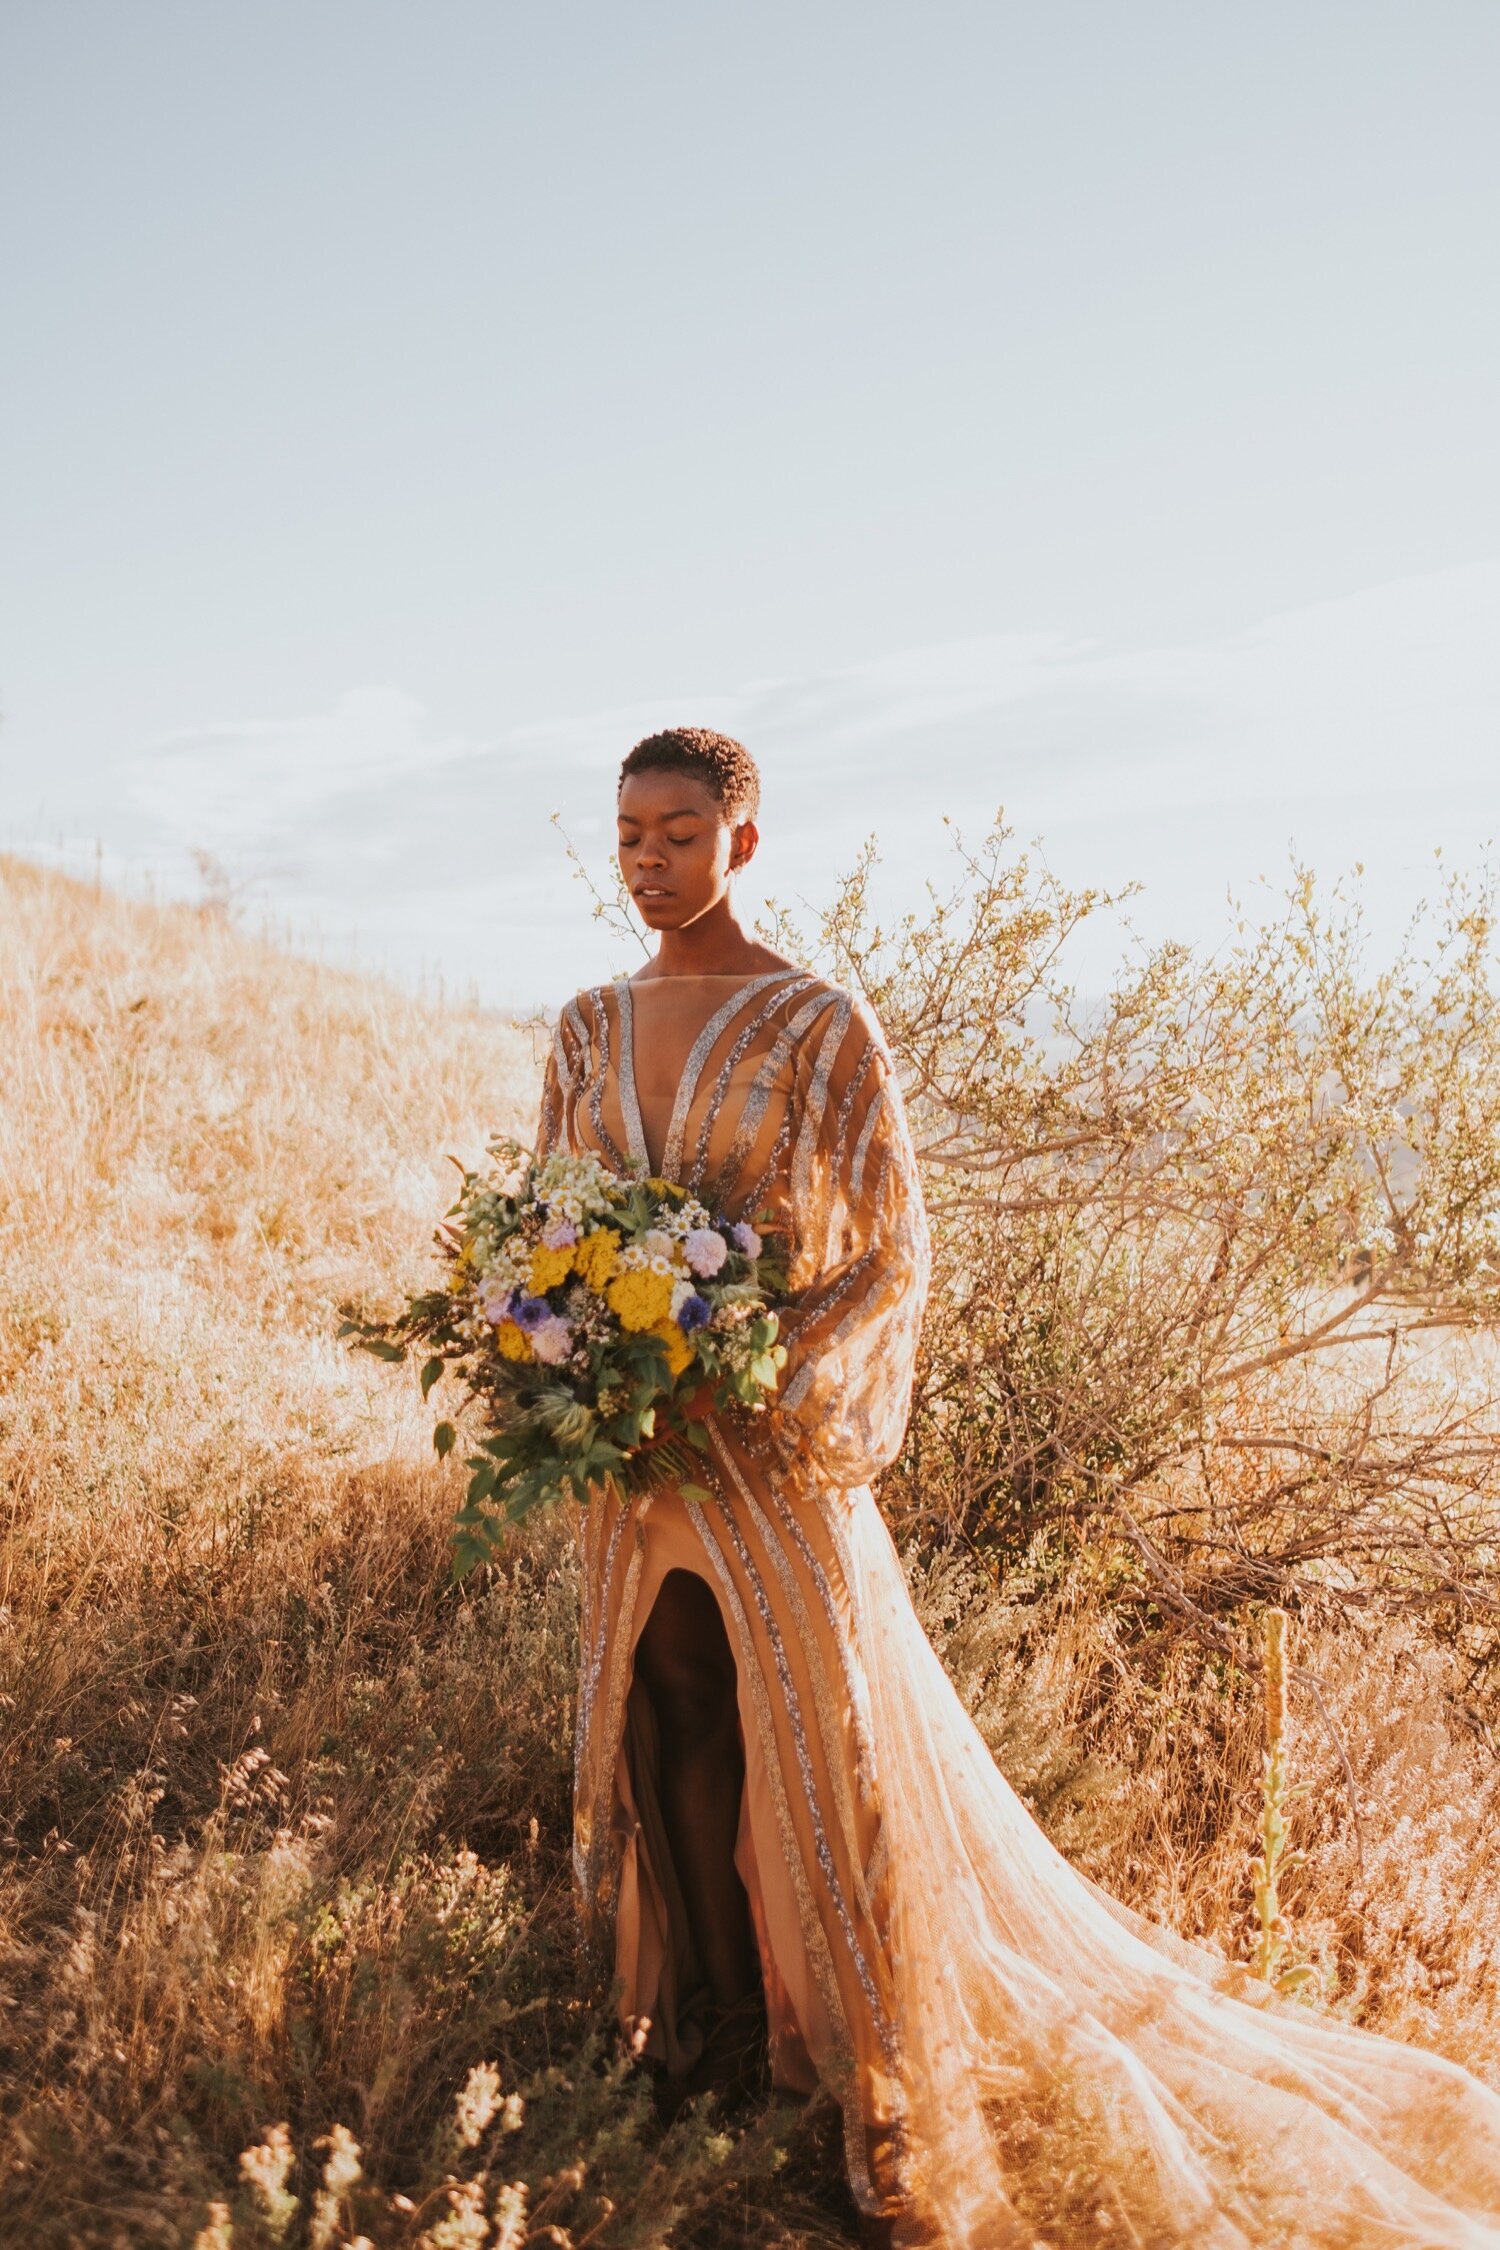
(782, 1809)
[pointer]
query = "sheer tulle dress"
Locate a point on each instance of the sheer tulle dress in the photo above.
(1019, 2059)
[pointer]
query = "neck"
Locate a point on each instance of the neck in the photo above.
(714, 945)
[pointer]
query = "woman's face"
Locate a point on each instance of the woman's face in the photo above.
(677, 851)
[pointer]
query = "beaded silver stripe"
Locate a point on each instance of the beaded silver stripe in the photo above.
(879, 2014)
(614, 1702)
(598, 1046)
(834, 1515)
(589, 1681)
(565, 1072)
(893, 1253)
(815, 1101)
(814, 1936)
(862, 1145)
(850, 1664)
(630, 1107)
(698, 1054)
(756, 1193)
(757, 1100)
(898, 1264)
(572, 1019)
(851, 1092)
(839, 1162)
(815, 1314)
(743, 1042)
(828, 1719)
(555, 1089)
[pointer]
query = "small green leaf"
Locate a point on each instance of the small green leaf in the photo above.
(380, 1349)
(444, 1438)
(430, 1374)
(694, 1492)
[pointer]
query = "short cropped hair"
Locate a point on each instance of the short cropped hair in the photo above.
(724, 766)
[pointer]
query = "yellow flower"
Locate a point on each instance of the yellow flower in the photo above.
(679, 1350)
(595, 1258)
(548, 1268)
(510, 1343)
(641, 1300)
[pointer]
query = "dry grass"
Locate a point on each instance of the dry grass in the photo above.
(284, 1864)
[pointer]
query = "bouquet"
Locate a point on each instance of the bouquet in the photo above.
(595, 1319)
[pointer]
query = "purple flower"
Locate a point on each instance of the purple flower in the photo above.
(559, 1234)
(745, 1239)
(694, 1312)
(495, 1301)
(530, 1313)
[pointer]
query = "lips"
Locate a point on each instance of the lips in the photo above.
(650, 892)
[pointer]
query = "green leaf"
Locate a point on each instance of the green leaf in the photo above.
(694, 1492)
(444, 1438)
(378, 1346)
(473, 1544)
(430, 1374)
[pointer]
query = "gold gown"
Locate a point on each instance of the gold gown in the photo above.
(1019, 2059)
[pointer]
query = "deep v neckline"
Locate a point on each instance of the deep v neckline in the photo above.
(711, 1029)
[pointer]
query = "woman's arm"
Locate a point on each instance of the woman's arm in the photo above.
(560, 1080)
(860, 1271)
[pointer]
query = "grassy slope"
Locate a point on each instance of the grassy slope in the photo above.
(287, 1840)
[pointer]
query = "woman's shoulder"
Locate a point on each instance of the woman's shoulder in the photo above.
(827, 1007)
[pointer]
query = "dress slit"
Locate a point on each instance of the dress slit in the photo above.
(664, 1984)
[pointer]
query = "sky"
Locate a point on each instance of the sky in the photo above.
(1082, 408)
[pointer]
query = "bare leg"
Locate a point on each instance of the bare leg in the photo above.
(686, 1665)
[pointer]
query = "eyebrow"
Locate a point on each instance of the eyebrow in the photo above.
(684, 812)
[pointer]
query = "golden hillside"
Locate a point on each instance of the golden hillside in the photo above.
(286, 1943)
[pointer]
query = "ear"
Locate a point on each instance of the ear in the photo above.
(742, 843)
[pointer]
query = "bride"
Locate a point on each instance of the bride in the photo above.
(809, 1864)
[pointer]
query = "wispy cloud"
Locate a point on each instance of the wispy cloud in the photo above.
(267, 787)
(1367, 727)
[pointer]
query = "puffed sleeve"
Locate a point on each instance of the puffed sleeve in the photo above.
(861, 1260)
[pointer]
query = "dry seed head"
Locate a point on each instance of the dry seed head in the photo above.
(467, 2225)
(266, 2168)
(478, 2100)
(1276, 1639)
(343, 2169)
(217, 2234)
